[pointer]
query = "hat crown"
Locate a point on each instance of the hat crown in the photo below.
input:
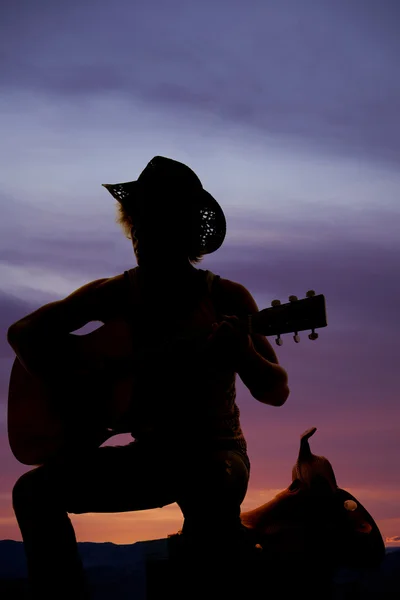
(163, 171)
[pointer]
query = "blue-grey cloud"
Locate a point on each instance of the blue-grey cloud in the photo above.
(325, 71)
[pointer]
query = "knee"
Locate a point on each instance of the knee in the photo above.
(27, 489)
(230, 475)
(222, 477)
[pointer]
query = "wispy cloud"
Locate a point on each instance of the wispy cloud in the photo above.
(321, 71)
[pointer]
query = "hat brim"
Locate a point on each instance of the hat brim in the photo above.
(123, 192)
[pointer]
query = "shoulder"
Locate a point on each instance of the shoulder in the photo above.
(107, 286)
(112, 291)
(234, 298)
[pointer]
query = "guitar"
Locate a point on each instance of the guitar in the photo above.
(50, 415)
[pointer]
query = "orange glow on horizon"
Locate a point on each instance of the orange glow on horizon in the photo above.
(131, 527)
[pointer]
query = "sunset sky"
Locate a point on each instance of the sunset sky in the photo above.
(289, 113)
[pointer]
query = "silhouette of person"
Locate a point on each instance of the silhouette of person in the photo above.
(188, 443)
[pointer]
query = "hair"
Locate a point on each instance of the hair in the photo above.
(124, 220)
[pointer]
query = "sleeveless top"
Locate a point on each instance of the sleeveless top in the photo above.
(180, 397)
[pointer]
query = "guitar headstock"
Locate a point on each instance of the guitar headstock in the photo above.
(307, 314)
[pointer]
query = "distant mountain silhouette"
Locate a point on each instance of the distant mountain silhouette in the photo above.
(114, 571)
(118, 571)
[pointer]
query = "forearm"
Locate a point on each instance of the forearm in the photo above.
(41, 340)
(47, 321)
(266, 380)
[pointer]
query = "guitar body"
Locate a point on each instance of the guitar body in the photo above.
(79, 408)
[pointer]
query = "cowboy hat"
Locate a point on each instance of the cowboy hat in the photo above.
(168, 179)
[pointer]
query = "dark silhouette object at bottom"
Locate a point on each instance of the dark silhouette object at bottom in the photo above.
(292, 544)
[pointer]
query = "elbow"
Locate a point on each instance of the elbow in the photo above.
(13, 334)
(280, 396)
(20, 342)
(17, 336)
(274, 397)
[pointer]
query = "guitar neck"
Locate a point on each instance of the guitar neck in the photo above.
(296, 315)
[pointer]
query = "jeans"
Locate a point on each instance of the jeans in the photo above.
(209, 487)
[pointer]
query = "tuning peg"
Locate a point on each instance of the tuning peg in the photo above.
(310, 293)
(275, 302)
(279, 340)
(293, 298)
(313, 335)
(296, 337)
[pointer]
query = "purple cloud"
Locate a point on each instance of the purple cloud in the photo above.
(324, 72)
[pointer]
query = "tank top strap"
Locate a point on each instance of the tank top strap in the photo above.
(212, 281)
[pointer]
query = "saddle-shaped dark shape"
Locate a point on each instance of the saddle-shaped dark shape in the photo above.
(315, 520)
